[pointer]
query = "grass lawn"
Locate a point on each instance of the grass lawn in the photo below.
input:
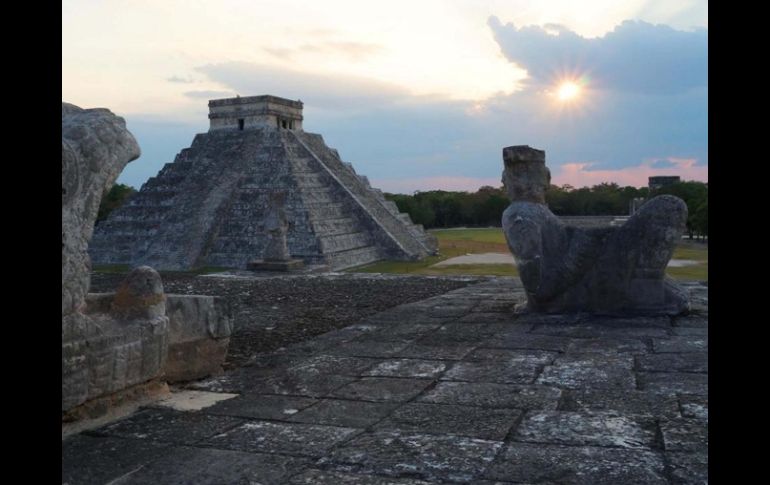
(458, 242)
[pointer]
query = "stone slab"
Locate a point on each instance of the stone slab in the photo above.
(607, 346)
(694, 407)
(407, 368)
(512, 357)
(238, 381)
(320, 477)
(685, 362)
(586, 429)
(458, 333)
(204, 466)
(262, 406)
(597, 371)
(285, 438)
(339, 412)
(384, 389)
(692, 321)
(577, 465)
(626, 402)
(373, 349)
(595, 330)
(493, 395)
(690, 343)
(685, 434)
(400, 332)
(305, 385)
(673, 382)
(515, 339)
(167, 426)
(331, 364)
(690, 331)
(98, 460)
(425, 457)
(493, 371)
(444, 352)
(475, 422)
(187, 400)
(688, 468)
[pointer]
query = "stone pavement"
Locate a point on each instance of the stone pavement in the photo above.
(452, 389)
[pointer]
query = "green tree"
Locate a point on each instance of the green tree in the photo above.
(700, 220)
(113, 199)
(693, 194)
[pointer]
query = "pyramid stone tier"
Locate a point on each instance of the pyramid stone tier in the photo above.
(208, 207)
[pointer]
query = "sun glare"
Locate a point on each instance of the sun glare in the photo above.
(567, 91)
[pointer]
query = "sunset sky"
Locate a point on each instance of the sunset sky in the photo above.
(418, 94)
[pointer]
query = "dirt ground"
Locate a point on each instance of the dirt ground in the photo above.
(272, 312)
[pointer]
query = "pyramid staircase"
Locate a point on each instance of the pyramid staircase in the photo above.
(207, 208)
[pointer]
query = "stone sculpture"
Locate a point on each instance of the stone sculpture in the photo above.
(114, 341)
(95, 148)
(275, 256)
(607, 270)
(276, 227)
(104, 348)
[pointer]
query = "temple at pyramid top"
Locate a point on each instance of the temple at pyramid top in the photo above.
(211, 205)
(255, 112)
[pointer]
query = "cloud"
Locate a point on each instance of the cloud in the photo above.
(404, 142)
(209, 94)
(322, 90)
(686, 13)
(663, 164)
(635, 57)
(353, 51)
(178, 79)
(411, 185)
(581, 174)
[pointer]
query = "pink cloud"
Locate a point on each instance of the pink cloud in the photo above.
(410, 185)
(578, 174)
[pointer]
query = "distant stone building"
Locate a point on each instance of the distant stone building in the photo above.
(662, 181)
(208, 207)
(635, 204)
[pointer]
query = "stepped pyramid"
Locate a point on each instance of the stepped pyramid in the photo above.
(207, 208)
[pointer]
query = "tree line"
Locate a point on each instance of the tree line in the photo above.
(440, 208)
(114, 198)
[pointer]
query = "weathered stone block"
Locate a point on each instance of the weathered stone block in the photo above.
(493, 395)
(382, 389)
(289, 438)
(593, 429)
(475, 422)
(431, 457)
(193, 317)
(338, 412)
(578, 465)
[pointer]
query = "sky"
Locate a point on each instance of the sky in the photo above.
(418, 94)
